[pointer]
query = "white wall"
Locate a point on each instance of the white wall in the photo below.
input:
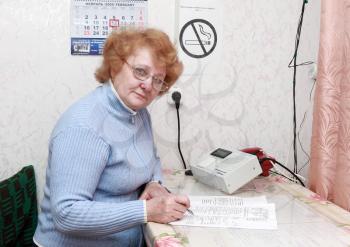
(39, 79)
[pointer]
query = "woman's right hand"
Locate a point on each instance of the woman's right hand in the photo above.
(165, 209)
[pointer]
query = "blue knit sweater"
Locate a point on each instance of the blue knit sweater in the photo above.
(100, 153)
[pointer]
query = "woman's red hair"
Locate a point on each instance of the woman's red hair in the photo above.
(122, 44)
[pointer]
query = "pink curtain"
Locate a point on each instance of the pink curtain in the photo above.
(329, 174)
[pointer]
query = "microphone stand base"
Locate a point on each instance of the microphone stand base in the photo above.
(188, 173)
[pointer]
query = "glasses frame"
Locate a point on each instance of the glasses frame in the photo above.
(164, 85)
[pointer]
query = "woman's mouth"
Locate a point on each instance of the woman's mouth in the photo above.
(141, 96)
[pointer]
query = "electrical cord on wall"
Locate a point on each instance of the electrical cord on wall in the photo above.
(294, 66)
(300, 127)
(176, 96)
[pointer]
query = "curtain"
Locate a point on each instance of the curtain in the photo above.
(329, 173)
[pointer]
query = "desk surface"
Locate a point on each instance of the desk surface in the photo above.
(303, 218)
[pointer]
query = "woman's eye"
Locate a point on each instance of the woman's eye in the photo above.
(158, 81)
(141, 72)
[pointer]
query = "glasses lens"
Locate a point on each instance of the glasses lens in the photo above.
(141, 73)
(157, 83)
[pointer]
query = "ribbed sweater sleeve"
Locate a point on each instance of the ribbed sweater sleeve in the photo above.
(78, 158)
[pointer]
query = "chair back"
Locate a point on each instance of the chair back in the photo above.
(18, 209)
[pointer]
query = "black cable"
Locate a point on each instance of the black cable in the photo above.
(294, 60)
(297, 40)
(282, 176)
(308, 156)
(178, 137)
(301, 145)
(176, 98)
(300, 64)
(275, 161)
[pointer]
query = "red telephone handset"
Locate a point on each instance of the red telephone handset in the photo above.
(266, 165)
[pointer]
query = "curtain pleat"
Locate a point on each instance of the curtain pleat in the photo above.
(329, 174)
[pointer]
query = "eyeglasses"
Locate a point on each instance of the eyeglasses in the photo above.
(143, 72)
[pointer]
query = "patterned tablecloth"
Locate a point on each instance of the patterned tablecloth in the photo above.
(303, 218)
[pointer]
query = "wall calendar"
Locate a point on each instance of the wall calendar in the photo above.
(93, 20)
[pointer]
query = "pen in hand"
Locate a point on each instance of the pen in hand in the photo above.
(188, 210)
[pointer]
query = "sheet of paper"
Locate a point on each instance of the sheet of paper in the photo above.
(226, 200)
(228, 211)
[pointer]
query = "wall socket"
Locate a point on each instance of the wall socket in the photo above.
(170, 93)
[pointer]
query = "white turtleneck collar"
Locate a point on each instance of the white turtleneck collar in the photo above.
(121, 101)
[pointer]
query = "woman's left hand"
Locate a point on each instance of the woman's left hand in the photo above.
(153, 189)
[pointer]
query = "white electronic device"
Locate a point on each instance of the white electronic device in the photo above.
(227, 170)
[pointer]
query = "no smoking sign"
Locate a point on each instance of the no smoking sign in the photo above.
(198, 38)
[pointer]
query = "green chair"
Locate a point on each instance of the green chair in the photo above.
(18, 209)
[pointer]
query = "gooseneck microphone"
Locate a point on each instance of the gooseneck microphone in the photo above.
(176, 96)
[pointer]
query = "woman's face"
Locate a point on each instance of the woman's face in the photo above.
(135, 93)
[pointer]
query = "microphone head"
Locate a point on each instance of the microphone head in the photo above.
(176, 96)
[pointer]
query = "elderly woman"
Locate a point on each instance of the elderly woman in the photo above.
(102, 180)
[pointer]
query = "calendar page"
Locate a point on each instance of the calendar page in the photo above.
(93, 20)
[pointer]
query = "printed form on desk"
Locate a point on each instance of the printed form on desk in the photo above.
(230, 211)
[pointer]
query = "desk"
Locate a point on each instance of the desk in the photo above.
(303, 218)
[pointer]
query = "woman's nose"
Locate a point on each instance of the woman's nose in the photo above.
(147, 84)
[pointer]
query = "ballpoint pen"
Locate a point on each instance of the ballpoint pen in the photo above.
(188, 210)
